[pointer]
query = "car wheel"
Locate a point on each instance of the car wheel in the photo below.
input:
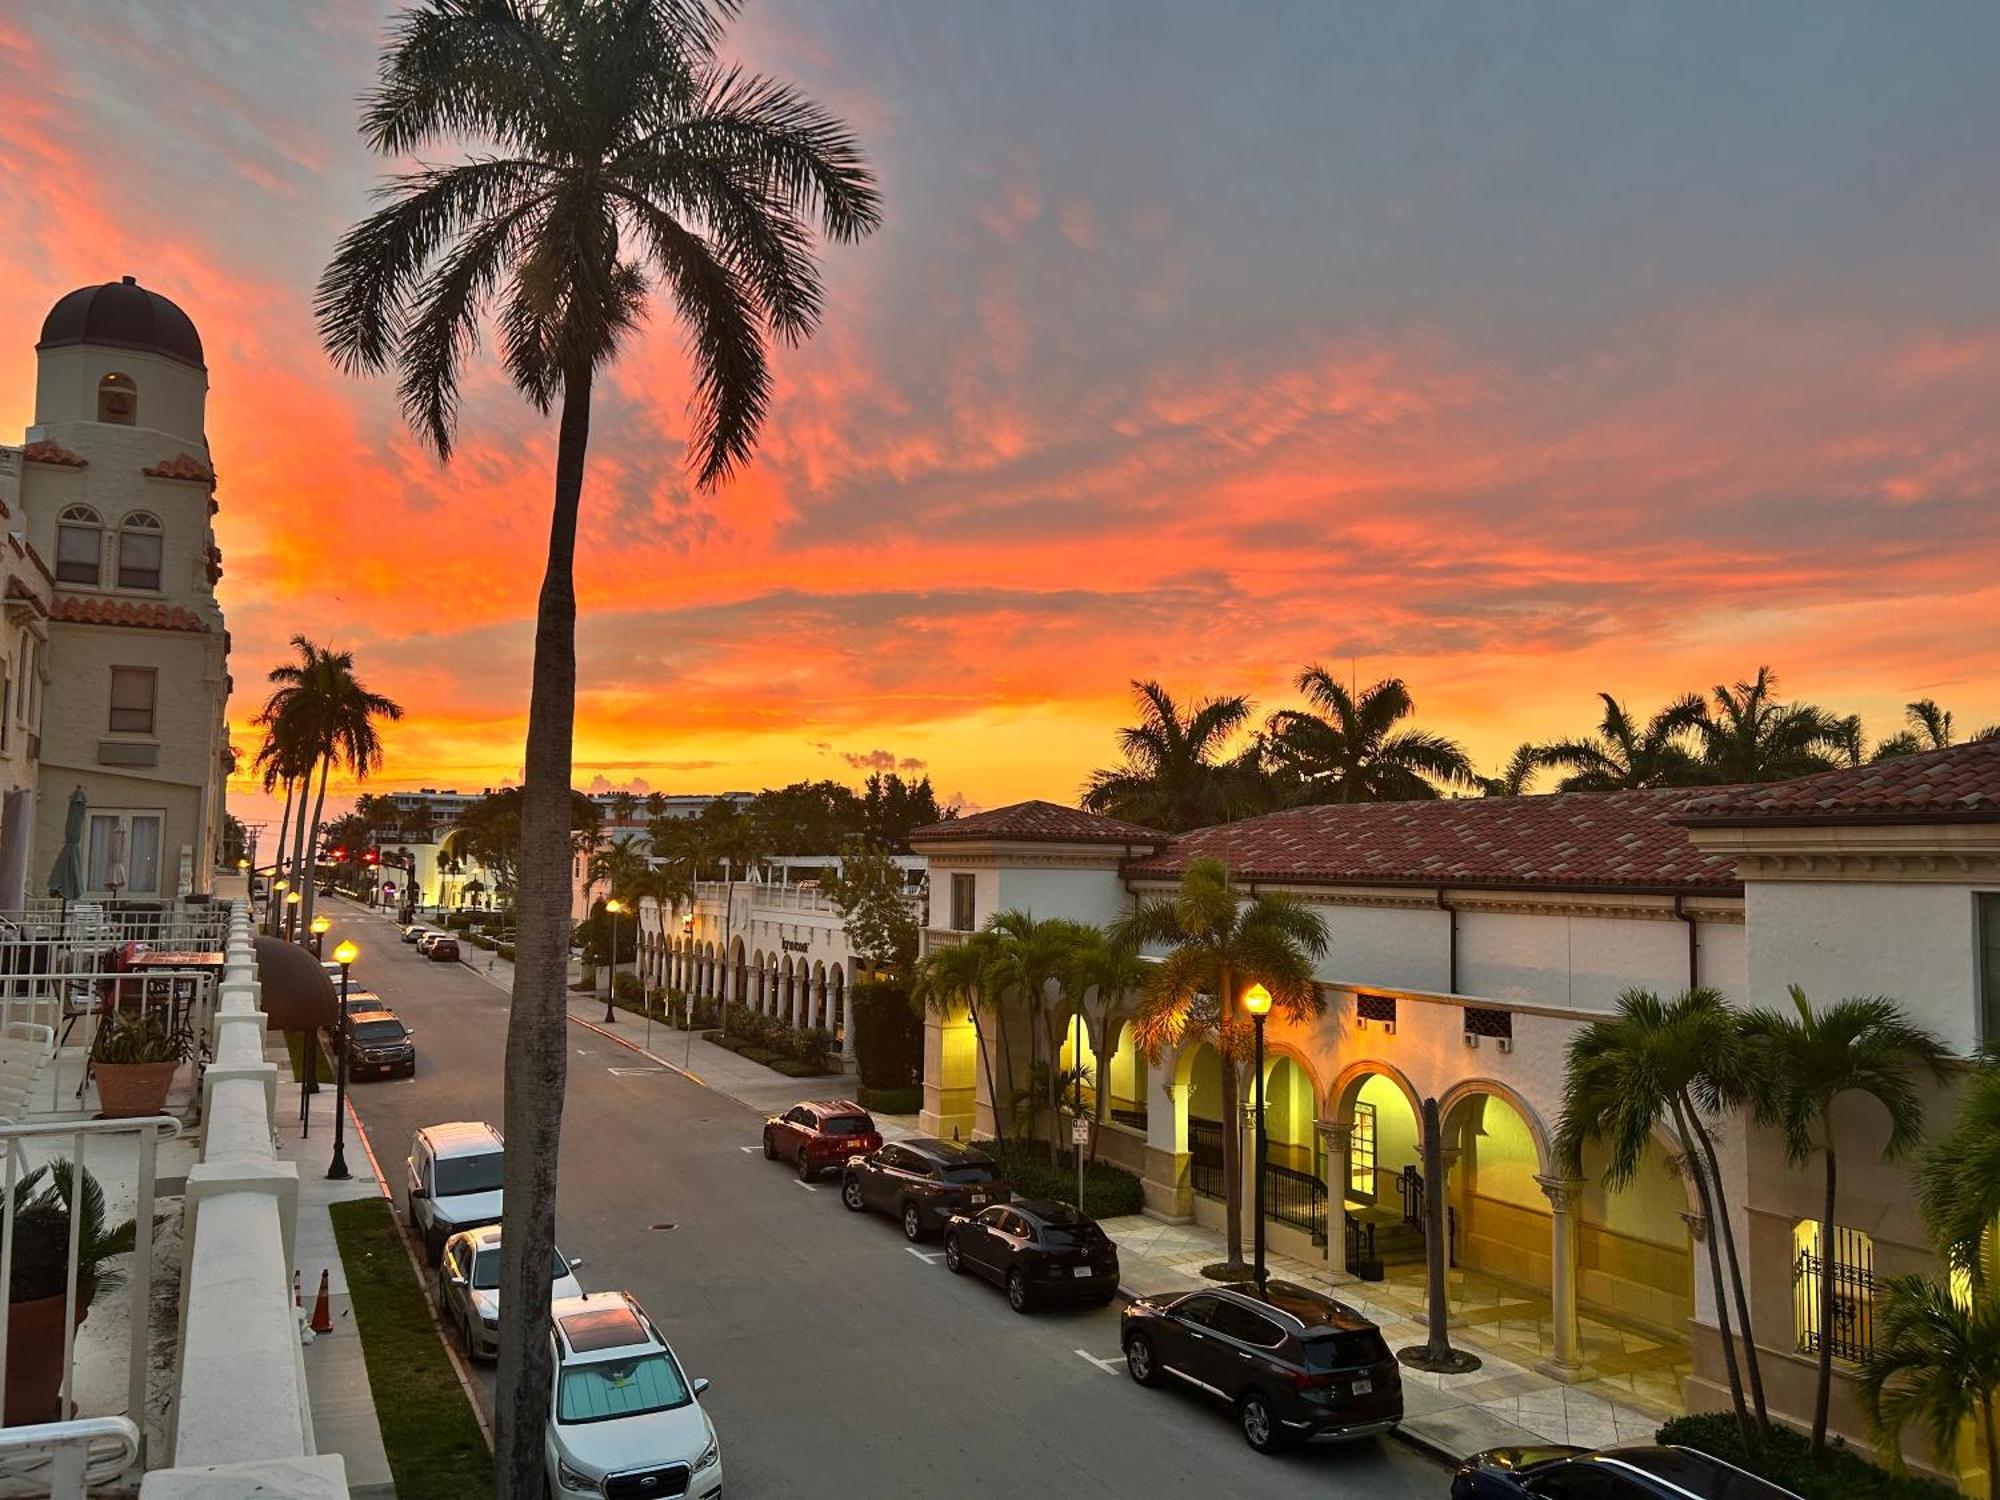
(770, 1148)
(805, 1166)
(954, 1258)
(913, 1222)
(850, 1194)
(1260, 1426)
(1140, 1361)
(1017, 1291)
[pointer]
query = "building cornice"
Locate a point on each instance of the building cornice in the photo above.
(1526, 901)
(1039, 856)
(1934, 853)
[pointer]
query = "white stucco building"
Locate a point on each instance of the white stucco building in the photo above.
(116, 493)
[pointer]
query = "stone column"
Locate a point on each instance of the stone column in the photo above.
(1168, 1195)
(1337, 1141)
(847, 1021)
(1565, 1195)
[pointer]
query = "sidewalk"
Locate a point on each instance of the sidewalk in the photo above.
(1501, 1404)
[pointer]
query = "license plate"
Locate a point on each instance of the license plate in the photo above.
(977, 1199)
(1081, 1271)
(1363, 1387)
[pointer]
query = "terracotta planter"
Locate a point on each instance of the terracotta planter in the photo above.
(131, 1089)
(34, 1358)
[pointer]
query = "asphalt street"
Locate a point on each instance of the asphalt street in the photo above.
(843, 1362)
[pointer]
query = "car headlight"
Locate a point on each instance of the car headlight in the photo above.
(710, 1456)
(572, 1480)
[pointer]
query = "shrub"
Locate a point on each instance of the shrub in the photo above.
(888, 1034)
(627, 987)
(890, 1101)
(1108, 1192)
(1784, 1458)
(505, 950)
(481, 940)
(813, 1046)
(459, 921)
(758, 1054)
(792, 1068)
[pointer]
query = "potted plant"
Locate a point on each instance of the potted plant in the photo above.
(134, 1058)
(43, 1203)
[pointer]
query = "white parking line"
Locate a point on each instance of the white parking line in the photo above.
(1109, 1366)
(746, 1150)
(636, 1072)
(806, 1185)
(926, 1256)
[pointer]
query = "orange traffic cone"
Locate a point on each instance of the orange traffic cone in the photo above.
(322, 1318)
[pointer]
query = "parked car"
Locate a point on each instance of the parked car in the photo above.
(1039, 1250)
(363, 1000)
(455, 1174)
(1292, 1363)
(443, 951)
(425, 938)
(469, 1288)
(379, 1045)
(624, 1419)
(820, 1134)
(923, 1182)
(1558, 1471)
(415, 932)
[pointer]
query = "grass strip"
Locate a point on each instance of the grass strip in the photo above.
(436, 1450)
(300, 1043)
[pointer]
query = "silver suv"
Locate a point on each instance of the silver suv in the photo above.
(454, 1183)
(625, 1420)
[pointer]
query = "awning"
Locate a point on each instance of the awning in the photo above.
(298, 996)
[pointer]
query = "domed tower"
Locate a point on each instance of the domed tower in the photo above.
(117, 498)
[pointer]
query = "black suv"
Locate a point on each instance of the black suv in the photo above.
(379, 1046)
(1560, 1472)
(1039, 1250)
(1293, 1364)
(923, 1182)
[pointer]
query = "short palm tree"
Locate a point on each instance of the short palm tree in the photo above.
(1032, 959)
(1936, 1362)
(613, 152)
(1350, 750)
(1801, 1064)
(1218, 945)
(954, 977)
(1958, 1181)
(1115, 973)
(1176, 775)
(619, 867)
(1930, 728)
(1516, 777)
(1748, 735)
(1624, 754)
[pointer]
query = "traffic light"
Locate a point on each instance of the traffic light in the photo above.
(339, 855)
(374, 856)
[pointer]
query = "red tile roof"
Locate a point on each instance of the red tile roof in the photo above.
(145, 614)
(46, 452)
(181, 466)
(1958, 785)
(1576, 841)
(1039, 822)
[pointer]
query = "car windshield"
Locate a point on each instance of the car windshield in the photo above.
(608, 1388)
(1342, 1351)
(469, 1174)
(967, 1173)
(379, 1031)
(845, 1125)
(486, 1269)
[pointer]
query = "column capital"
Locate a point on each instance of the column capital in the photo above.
(1176, 1091)
(1337, 1135)
(1697, 1224)
(1564, 1193)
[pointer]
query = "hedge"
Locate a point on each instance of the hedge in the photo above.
(481, 940)
(888, 1034)
(1108, 1192)
(505, 950)
(891, 1101)
(792, 1068)
(1784, 1458)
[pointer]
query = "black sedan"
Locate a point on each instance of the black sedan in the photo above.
(1560, 1472)
(1040, 1251)
(923, 1182)
(1291, 1363)
(379, 1046)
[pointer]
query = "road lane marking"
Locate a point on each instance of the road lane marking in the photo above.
(637, 1073)
(746, 1150)
(1109, 1366)
(796, 1183)
(928, 1257)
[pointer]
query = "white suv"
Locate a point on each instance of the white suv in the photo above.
(625, 1419)
(455, 1179)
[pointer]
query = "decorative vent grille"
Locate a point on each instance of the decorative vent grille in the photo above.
(1482, 1020)
(1375, 1008)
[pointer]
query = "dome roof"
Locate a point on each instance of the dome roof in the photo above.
(122, 315)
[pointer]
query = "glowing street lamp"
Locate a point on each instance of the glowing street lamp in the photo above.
(274, 904)
(1257, 1000)
(336, 1170)
(320, 923)
(613, 907)
(292, 899)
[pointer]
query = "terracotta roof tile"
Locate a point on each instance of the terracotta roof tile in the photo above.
(46, 452)
(145, 614)
(1960, 784)
(181, 466)
(1039, 822)
(1576, 841)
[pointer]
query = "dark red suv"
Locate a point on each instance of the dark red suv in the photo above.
(819, 1135)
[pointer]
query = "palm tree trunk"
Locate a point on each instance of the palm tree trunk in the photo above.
(299, 840)
(537, 1062)
(1987, 1434)
(277, 858)
(1751, 1367)
(311, 887)
(1004, 1129)
(1707, 1199)
(1232, 1127)
(1823, 1390)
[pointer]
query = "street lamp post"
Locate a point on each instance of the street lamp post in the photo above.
(612, 908)
(292, 899)
(274, 906)
(1257, 1000)
(336, 1170)
(320, 923)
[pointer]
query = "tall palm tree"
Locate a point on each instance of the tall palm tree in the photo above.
(1175, 776)
(1350, 750)
(1748, 735)
(1218, 945)
(1936, 1362)
(957, 975)
(1931, 728)
(1516, 777)
(1626, 1078)
(1623, 754)
(1958, 1181)
(281, 758)
(619, 866)
(612, 150)
(624, 807)
(1802, 1063)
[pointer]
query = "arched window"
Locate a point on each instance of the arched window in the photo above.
(140, 543)
(117, 399)
(79, 546)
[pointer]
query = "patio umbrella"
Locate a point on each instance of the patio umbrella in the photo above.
(66, 879)
(115, 876)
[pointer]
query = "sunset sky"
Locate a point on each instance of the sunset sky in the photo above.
(1517, 351)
